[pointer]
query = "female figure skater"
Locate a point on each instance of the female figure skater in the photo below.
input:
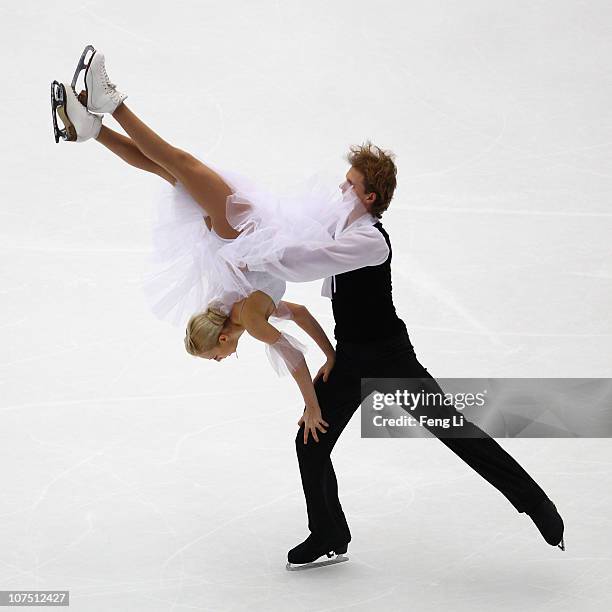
(218, 236)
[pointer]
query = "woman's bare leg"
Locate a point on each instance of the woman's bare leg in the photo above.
(206, 187)
(127, 150)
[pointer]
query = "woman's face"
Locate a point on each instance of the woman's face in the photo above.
(226, 346)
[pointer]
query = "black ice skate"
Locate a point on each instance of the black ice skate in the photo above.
(305, 555)
(548, 520)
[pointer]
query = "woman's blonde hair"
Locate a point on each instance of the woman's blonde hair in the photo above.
(203, 330)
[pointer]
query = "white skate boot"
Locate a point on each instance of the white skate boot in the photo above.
(102, 95)
(79, 124)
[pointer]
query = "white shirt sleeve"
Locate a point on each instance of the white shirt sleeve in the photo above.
(359, 247)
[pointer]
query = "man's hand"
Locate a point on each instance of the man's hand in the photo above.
(312, 420)
(326, 368)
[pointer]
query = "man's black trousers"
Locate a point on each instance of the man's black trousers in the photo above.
(340, 397)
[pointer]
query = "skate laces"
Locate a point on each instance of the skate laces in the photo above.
(110, 87)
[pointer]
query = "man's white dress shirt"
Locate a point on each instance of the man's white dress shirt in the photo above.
(356, 246)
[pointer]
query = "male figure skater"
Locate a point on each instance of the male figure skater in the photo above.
(372, 342)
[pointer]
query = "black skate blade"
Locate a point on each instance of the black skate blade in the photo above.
(58, 107)
(296, 567)
(82, 64)
(58, 99)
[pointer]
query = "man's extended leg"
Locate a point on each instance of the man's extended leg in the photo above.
(481, 452)
(469, 442)
(491, 461)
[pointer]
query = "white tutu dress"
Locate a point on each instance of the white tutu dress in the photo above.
(190, 267)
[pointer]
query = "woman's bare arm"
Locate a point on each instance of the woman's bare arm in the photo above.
(304, 319)
(254, 320)
(257, 326)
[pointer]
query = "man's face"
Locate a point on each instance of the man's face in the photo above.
(354, 178)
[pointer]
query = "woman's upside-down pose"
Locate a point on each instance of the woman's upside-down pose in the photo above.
(219, 239)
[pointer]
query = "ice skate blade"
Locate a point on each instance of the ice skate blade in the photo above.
(58, 107)
(82, 65)
(57, 99)
(296, 567)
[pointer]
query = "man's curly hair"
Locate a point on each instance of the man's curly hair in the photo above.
(379, 173)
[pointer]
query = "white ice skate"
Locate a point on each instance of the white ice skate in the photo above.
(102, 95)
(79, 124)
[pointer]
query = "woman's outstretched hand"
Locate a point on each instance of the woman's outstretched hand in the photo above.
(326, 368)
(312, 421)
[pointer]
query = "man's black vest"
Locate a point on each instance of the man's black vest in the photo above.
(362, 302)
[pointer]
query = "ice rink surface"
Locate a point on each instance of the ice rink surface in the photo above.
(143, 479)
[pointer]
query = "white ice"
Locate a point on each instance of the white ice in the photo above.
(141, 478)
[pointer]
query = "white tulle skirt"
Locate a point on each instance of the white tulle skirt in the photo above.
(190, 267)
